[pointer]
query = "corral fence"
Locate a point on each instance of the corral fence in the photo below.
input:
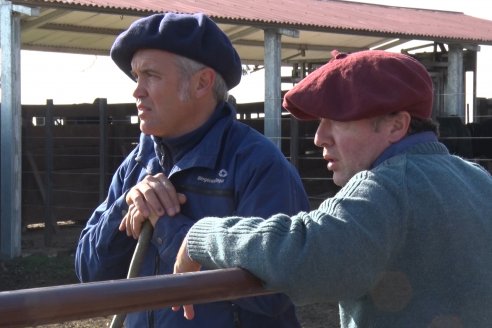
(69, 153)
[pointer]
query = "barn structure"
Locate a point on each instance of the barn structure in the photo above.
(267, 34)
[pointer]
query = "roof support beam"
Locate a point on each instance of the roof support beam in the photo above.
(81, 29)
(327, 47)
(454, 100)
(10, 129)
(43, 20)
(273, 80)
(273, 105)
(388, 44)
(243, 33)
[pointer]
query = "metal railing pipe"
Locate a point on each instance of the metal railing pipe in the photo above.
(36, 306)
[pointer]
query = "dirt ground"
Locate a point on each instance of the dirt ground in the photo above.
(42, 266)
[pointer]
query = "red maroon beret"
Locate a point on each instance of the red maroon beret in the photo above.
(361, 85)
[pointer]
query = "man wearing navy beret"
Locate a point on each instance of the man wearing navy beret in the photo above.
(406, 242)
(194, 159)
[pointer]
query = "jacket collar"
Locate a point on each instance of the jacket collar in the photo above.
(199, 148)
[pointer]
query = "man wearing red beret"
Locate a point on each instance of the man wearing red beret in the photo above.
(406, 242)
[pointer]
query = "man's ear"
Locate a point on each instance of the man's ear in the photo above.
(204, 81)
(400, 123)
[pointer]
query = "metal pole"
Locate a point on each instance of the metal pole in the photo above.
(11, 173)
(273, 97)
(37, 306)
(455, 91)
(10, 143)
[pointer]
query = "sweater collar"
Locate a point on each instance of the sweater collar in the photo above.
(404, 144)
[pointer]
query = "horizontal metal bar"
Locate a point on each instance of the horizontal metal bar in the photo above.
(36, 306)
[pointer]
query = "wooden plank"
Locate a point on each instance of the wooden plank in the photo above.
(48, 158)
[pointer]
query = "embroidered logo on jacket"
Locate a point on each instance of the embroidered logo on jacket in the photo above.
(222, 174)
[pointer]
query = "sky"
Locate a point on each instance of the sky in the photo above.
(69, 78)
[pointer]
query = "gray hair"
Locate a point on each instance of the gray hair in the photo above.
(188, 67)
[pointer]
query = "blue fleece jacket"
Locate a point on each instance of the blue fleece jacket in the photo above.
(224, 168)
(407, 243)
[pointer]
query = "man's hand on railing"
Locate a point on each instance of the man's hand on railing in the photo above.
(185, 264)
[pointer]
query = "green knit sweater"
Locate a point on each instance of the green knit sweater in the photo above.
(405, 244)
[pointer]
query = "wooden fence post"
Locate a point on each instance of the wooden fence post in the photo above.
(103, 147)
(49, 227)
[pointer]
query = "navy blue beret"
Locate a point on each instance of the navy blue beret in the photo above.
(194, 36)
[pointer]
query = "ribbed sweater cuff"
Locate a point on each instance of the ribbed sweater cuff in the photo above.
(198, 240)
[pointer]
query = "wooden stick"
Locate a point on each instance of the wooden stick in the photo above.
(135, 265)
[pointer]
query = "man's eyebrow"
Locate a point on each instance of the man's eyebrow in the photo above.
(145, 70)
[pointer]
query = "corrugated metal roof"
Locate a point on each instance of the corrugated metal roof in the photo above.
(319, 14)
(89, 26)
